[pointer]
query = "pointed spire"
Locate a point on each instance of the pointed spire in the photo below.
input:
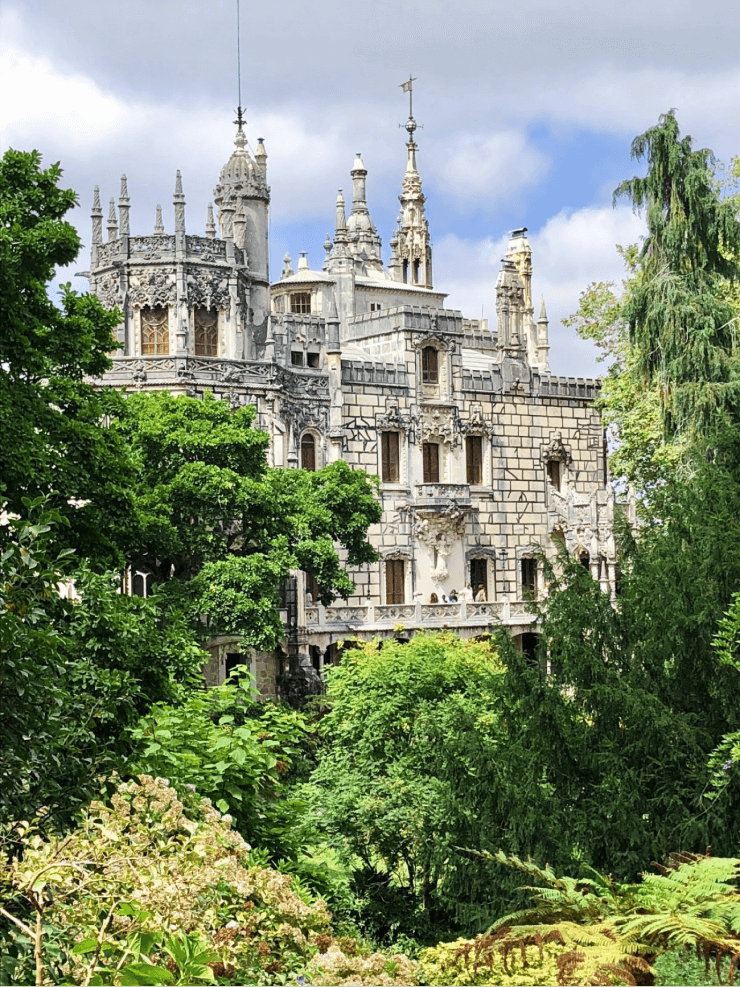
(112, 221)
(542, 317)
(96, 214)
(158, 224)
(241, 138)
(415, 247)
(210, 224)
(178, 200)
(124, 207)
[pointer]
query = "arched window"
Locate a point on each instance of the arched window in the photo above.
(585, 559)
(308, 452)
(155, 331)
(429, 365)
(206, 332)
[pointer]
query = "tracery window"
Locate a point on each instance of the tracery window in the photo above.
(155, 331)
(206, 332)
(300, 302)
(429, 365)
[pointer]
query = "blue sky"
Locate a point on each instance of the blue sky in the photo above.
(528, 112)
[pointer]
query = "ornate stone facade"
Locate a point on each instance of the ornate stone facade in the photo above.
(484, 456)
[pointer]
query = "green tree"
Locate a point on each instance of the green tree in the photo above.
(413, 771)
(53, 444)
(220, 530)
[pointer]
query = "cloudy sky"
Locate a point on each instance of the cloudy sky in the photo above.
(528, 112)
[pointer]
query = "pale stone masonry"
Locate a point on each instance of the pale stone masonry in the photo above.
(484, 456)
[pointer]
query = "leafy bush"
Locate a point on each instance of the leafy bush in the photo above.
(486, 960)
(234, 752)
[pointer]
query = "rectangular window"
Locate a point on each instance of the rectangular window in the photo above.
(374, 306)
(206, 332)
(296, 359)
(300, 303)
(312, 590)
(479, 578)
(312, 360)
(474, 458)
(155, 331)
(529, 576)
(553, 472)
(429, 365)
(389, 448)
(430, 452)
(394, 581)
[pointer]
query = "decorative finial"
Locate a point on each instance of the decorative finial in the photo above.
(178, 200)
(210, 225)
(303, 262)
(96, 215)
(341, 218)
(158, 224)
(112, 221)
(327, 243)
(287, 270)
(241, 138)
(123, 207)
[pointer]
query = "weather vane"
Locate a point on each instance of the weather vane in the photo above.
(239, 113)
(407, 88)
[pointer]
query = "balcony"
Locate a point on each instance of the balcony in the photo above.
(372, 618)
(440, 494)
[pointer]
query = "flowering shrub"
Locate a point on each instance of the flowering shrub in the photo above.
(150, 868)
(335, 967)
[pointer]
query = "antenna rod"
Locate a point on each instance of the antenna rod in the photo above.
(238, 53)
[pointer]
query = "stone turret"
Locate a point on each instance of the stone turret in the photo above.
(96, 215)
(242, 197)
(364, 242)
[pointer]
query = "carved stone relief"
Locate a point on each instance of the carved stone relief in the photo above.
(153, 289)
(204, 290)
(435, 422)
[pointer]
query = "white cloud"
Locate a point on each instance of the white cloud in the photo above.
(568, 252)
(487, 167)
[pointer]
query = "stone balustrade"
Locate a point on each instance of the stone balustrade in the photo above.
(414, 615)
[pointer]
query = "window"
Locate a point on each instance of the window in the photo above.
(206, 332)
(417, 268)
(139, 584)
(296, 358)
(312, 360)
(430, 452)
(429, 365)
(405, 272)
(585, 560)
(474, 458)
(394, 581)
(312, 589)
(155, 331)
(529, 576)
(300, 302)
(233, 660)
(553, 472)
(479, 576)
(529, 649)
(389, 446)
(374, 306)
(308, 452)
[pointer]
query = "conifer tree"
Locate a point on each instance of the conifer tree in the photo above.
(682, 323)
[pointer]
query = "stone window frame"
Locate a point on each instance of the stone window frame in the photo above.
(440, 390)
(485, 448)
(556, 451)
(318, 447)
(138, 325)
(402, 480)
(529, 552)
(489, 555)
(397, 555)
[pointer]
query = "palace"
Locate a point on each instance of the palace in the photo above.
(483, 455)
